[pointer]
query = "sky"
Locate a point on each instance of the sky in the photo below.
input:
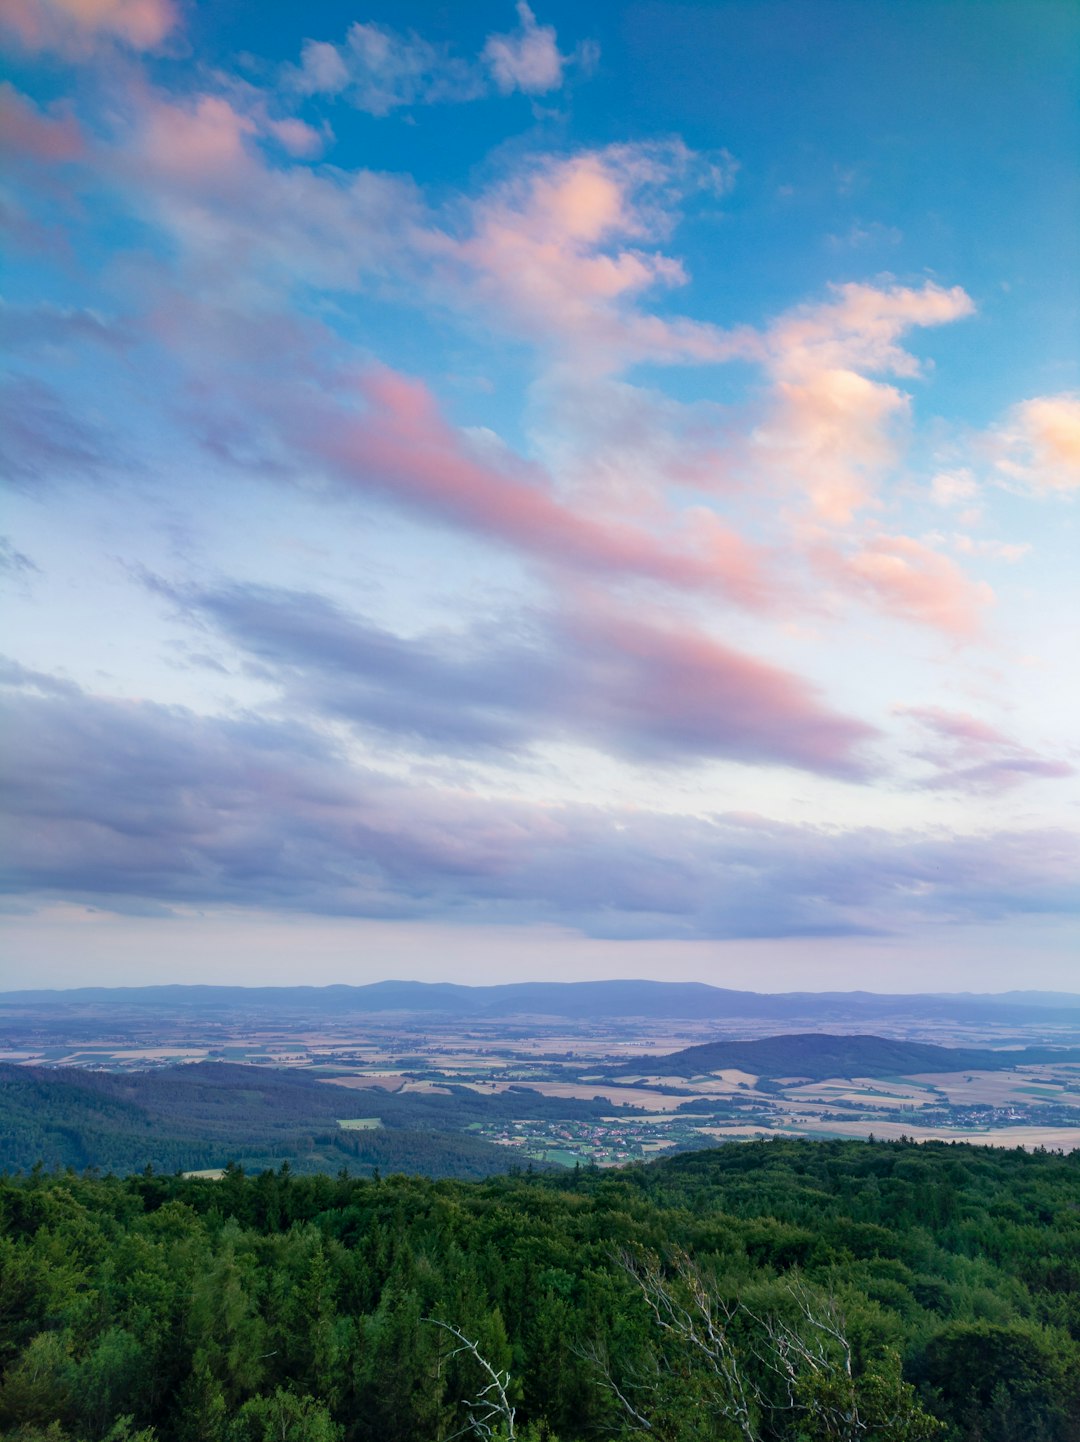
(500, 493)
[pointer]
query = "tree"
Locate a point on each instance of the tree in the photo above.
(491, 1414)
(784, 1374)
(283, 1417)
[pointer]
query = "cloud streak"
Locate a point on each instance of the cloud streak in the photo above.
(402, 447)
(908, 580)
(119, 801)
(590, 674)
(970, 756)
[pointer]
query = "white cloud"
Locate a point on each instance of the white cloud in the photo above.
(527, 59)
(953, 488)
(380, 70)
(1039, 443)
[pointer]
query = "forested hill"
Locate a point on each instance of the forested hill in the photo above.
(778, 1291)
(817, 1056)
(204, 1115)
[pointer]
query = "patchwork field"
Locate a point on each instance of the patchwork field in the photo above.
(598, 1091)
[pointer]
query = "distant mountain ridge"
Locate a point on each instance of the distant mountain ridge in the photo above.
(818, 1056)
(580, 1000)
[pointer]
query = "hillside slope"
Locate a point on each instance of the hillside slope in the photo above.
(205, 1115)
(817, 1056)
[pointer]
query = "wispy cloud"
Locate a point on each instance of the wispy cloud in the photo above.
(968, 755)
(43, 440)
(561, 254)
(564, 254)
(75, 27)
(591, 673)
(15, 563)
(30, 135)
(908, 580)
(380, 70)
(403, 447)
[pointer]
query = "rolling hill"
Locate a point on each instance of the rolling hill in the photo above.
(206, 1115)
(816, 1056)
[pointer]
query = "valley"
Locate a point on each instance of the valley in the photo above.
(584, 1088)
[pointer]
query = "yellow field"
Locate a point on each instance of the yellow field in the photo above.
(587, 1091)
(1065, 1138)
(998, 1087)
(386, 1081)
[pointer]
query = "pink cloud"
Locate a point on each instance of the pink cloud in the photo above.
(830, 431)
(72, 26)
(956, 726)
(676, 688)
(861, 326)
(968, 755)
(548, 257)
(907, 580)
(28, 134)
(562, 254)
(1039, 443)
(832, 435)
(245, 229)
(403, 446)
(587, 669)
(41, 151)
(199, 146)
(296, 137)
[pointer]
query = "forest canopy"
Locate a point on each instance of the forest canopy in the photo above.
(778, 1291)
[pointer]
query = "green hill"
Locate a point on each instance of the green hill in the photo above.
(205, 1115)
(816, 1056)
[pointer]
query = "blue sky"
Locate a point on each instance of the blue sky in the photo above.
(577, 492)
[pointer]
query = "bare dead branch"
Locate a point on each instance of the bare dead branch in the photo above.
(491, 1405)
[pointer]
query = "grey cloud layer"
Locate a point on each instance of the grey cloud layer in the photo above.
(128, 803)
(623, 684)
